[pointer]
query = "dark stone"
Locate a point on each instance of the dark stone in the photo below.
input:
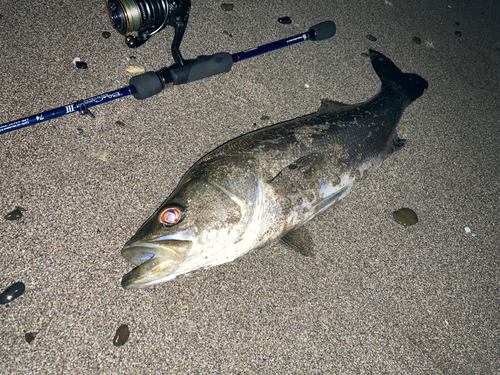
(121, 336)
(106, 34)
(285, 20)
(11, 293)
(371, 38)
(15, 214)
(227, 7)
(29, 337)
(416, 40)
(458, 33)
(81, 65)
(405, 216)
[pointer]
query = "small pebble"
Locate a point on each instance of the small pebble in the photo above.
(364, 54)
(225, 32)
(467, 230)
(106, 34)
(120, 123)
(405, 216)
(14, 215)
(29, 337)
(265, 118)
(227, 7)
(11, 293)
(285, 20)
(81, 65)
(121, 336)
(457, 23)
(416, 40)
(62, 4)
(79, 131)
(135, 69)
(458, 33)
(371, 38)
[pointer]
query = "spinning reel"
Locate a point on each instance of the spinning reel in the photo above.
(147, 17)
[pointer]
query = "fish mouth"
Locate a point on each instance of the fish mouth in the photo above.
(155, 261)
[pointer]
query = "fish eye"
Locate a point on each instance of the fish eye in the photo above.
(170, 215)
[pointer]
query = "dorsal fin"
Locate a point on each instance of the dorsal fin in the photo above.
(328, 105)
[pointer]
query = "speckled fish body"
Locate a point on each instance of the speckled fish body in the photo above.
(265, 185)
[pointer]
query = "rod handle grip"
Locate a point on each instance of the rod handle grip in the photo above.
(194, 70)
(146, 85)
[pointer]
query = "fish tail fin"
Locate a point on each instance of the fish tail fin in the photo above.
(412, 85)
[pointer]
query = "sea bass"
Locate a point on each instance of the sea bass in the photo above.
(265, 185)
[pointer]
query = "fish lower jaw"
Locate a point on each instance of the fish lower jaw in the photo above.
(155, 263)
(155, 270)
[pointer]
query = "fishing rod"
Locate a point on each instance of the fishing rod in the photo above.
(183, 71)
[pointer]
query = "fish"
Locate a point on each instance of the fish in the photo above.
(264, 186)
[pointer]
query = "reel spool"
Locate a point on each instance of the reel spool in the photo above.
(147, 17)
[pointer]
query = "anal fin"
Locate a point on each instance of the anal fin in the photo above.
(300, 240)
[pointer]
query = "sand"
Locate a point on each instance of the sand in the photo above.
(377, 297)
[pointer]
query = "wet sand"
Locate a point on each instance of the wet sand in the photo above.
(377, 297)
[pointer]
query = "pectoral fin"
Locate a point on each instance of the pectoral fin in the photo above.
(397, 144)
(300, 240)
(302, 173)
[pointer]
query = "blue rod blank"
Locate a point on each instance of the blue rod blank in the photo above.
(61, 111)
(272, 46)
